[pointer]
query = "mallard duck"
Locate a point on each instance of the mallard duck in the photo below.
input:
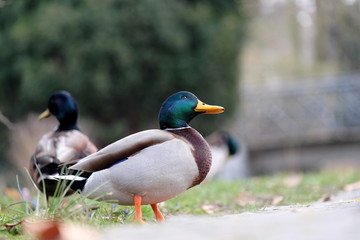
(222, 146)
(151, 166)
(66, 143)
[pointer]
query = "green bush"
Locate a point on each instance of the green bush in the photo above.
(120, 58)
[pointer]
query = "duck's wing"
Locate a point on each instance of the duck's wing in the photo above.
(65, 146)
(56, 148)
(74, 145)
(122, 149)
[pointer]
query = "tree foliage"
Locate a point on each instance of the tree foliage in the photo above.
(119, 58)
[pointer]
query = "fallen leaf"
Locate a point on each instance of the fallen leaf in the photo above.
(352, 186)
(210, 208)
(77, 206)
(325, 198)
(42, 230)
(57, 230)
(277, 199)
(94, 208)
(292, 180)
(13, 193)
(64, 202)
(247, 198)
(11, 225)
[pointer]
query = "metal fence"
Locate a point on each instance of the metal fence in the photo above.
(311, 111)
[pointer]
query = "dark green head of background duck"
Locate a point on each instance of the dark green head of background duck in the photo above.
(63, 106)
(181, 107)
(233, 145)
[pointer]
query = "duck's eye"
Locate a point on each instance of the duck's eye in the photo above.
(184, 97)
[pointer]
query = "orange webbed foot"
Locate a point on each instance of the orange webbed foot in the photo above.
(139, 221)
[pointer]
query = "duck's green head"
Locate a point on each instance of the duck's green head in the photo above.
(231, 142)
(178, 110)
(63, 106)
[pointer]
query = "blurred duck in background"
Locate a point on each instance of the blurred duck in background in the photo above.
(66, 143)
(223, 146)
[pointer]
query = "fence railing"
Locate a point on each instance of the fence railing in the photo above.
(312, 111)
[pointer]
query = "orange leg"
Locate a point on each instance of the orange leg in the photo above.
(158, 214)
(138, 212)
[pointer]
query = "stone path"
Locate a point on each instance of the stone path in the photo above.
(335, 219)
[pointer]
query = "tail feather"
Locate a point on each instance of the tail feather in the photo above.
(78, 178)
(42, 167)
(47, 171)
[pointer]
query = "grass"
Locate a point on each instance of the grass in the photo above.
(225, 195)
(210, 198)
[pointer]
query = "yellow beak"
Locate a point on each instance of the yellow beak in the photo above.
(208, 109)
(45, 114)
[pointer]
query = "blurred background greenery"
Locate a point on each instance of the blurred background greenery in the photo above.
(119, 58)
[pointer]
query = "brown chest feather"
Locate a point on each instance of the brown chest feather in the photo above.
(201, 151)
